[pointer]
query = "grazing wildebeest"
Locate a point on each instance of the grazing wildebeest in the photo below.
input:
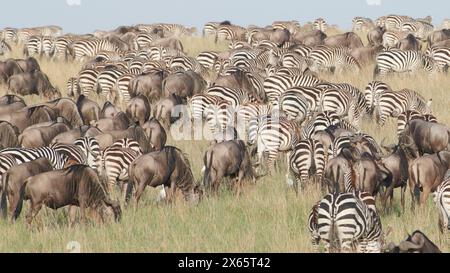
(426, 173)
(438, 36)
(11, 103)
(89, 109)
(77, 185)
(70, 136)
(163, 110)
(155, 133)
(149, 84)
(109, 110)
(120, 121)
(135, 132)
(36, 82)
(168, 167)
(397, 163)
(348, 39)
(366, 55)
(417, 242)
(8, 135)
(38, 136)
(67, 108)
(138, 109)
(227, 158)
(428, 137)
(14, 179)
(183, 83)
(28, 116)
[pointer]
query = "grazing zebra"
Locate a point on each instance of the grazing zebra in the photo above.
(33, 46)
(392, 38)
(394, 22)
(442, 199)
(235, 96)
(230, 33)
(106, 79)
(61, 45)
(74, 153)
(10, 34)
(121, 88)
(276, 85)
(372, 92)
(346, 222)
(6, 162)
(320, 24)
(362, 24)
(440, 55)
(28, 154)
(407, 116)
(90, 48)
(198, 104)
(392, 104)
(319, 123)
(402, 61)
(342, 103)
(210, 29)
(115, 163)
(334, 59)
(274, 135)
(187, 63)
(307, 158)
(91, 149)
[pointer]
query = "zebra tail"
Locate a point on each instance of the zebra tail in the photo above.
(18, 209)
(3, 203)
(207, 177)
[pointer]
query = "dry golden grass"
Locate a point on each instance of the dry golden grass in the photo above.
(267, 217)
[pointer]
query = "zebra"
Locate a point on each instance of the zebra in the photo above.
(334, 59)
(440, 55)
(115, 163)
(188, 63)
(73, 152)
(235, 96)
(296, 106)
(371, 93)
(420, 29)
(219, 116)
(394, 22)
(320, 24)
(292, 26)
(89, 48)
(402, 61)
(231, 33)
(22, 155)
(275, 85)
(247, 116)
(307, 158)
(106, 79)
(198, 104)
(144, 40)
(274, 135)
(87, 79)
(406, 116)
(121, 88)
(442, 199)
(210, 29)
(33, 46)
(207, 58)
(127, 143)
(10, 34)
(362, 24)
(6, 162)
(319, 123)
(346, 222)
(91, 149)
(343, 104)
(392, 38)
(391, 104)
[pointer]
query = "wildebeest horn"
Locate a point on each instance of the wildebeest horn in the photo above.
(407, 245)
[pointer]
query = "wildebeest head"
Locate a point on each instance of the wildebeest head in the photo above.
(111, 209)
(417, 242)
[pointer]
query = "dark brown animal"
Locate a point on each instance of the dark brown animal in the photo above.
(8, 135)
(109, 110)
(417, 242)
(375, 36)
(88, 109)
(39, 136)
(312, 38)
(13, 181)
(8, 68)
(67, 108)
(348, 39)
(183, 83)
(29, 64)
(120, 121)
(227, 158)
(28, 116)
(149, 84)
(163, 110)
(438, 36)
(426, 137)
(168, 167)
(77, 185)
(155, 133)
(138, 109)
(29, 83)
(409, 43)
(366, 55)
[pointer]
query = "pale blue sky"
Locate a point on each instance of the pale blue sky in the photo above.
(82, 16)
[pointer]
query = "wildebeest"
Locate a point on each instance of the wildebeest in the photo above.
(348, 39)
(409, 43)
(11, 103)
(366, 55)
(4, 47)
(170, 42)
(29, 83)
(8, 68)
(163, 110)
(138, 109)
(28, 116)
(67, 108)
(183, 83)
(149, 84)
(427, 137)
(8, 135)
(155, 133)
(89, 109)
(312, 38)
(109, 110)
(375, 36)
(135, 132)
(438, 36)
(426, 173)
(77, 185)
(227, 158)
(38, 136)
(417, 242)
(168, 167)
(120, 121)
(13, 181)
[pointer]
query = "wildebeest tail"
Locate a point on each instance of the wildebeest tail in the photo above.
(18, 209)
(207, 176)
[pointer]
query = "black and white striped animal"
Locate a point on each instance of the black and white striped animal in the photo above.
(403, 61)
(442, 199)
(28, 154)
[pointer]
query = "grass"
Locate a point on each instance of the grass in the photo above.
(267, 217)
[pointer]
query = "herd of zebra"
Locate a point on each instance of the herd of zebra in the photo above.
(262, 97)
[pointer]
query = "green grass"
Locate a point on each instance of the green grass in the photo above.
(267, 217)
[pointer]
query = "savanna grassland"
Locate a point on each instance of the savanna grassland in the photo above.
(266, 217)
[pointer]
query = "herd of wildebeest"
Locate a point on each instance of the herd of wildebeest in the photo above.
(261, 98)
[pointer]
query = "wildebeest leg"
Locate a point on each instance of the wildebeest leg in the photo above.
(424, 195)
(128, 191)
(34, 210)
(72, 215)
(140, 189)
(402, 197)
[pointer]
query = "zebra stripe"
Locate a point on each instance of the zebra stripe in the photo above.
(442, 199)
(25, 155)
(308, 158)
(402, 61)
